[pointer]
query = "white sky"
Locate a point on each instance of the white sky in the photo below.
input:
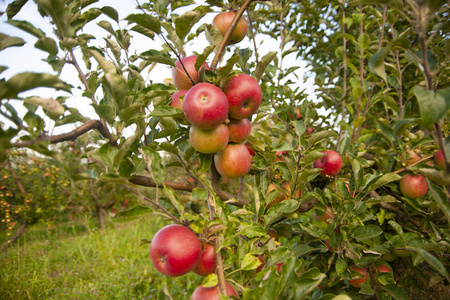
(28, 58)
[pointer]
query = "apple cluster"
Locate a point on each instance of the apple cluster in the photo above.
(175, 251)
(218, 118)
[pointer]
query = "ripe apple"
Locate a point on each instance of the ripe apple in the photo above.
(210, 140)
(205, 106)
(279, 155)
(212, 293)
(250, 148)
(234, 161)
(175, 250)
(207, 263)
(326, 216)
(414, 186)
(244, 96)
(358, 280)
(331, 163)
(179, 76)
(439, 159)
(383, 269)
(309, 131)
(239, 130)
(176, 101)
(411, 156)
(223, 21)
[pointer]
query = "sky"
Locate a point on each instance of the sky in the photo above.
(28, 58)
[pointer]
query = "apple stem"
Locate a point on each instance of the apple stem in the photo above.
(227, 35)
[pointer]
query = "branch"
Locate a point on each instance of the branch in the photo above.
(223, 195)
(71, 136)
(148, 181)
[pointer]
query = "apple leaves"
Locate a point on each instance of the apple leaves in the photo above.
(433, 105)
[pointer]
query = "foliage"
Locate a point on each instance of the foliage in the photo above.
(381, 73)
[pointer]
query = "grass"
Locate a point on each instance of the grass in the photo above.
(76, 261)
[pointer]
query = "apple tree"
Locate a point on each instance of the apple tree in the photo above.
(316, 200)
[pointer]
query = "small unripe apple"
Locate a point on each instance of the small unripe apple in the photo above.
(223, 21)
(205, 106)
(414, 186)
(209, 141)
(239, 130)
(234, 161)
(212, 293)
(244, 96)
(357, 281)
(175, 250)
(207, 263)
(331, 163)
(179, 76)
(439, 159)
(402, 252)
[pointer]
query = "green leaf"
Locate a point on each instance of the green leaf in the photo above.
(357, 175)
(439, 196)
(367, 232)
(166, 111)
(376, 64)
(118, 87)
(210, 281)
(131, 214)
(105, 112)
(341, 266)
(15, 7)
(307, 283)
(396, 292)
(174, 199)
(10, 41)
(185, 22)
(433, 105)
(49, 104)
(27, 81)
(312, 157)
(263, 64)
(27, 27)
(110, 12)
(253, 230)
(157, 57)
(435, 263)
(380, 181)
(47, 44)
(154, 164)
(276, 211)
(146, 21)
(319, 136)
(250, 262)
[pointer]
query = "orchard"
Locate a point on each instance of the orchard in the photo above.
(314, 135)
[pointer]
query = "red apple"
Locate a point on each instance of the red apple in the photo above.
(179, 76)
(296, 114)
(414, 186)
(205, 106)
(244, 96)
(239, 130)
(207, 264)
(250, 148)
(279, 155)
(176, 101)
(223, 21)
(209, 141)
(358, 280)
(234, 161)
(175, 250)
(439, 159)
(383, 269)
(411, 156)
(212, 293)
(325, 217)
(331, 163)
(263, 263)
(309, 131)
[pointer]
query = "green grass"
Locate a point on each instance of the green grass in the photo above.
(73, 261)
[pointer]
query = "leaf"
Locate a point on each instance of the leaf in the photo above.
(367, 232)
(10, 41)
(435, 263)
(376, 64)
(441, 177)
(439, 196)
(341, 266)
(250, 262)
(210, 281)
(46, 103)
(27, 81)
(132, 214)
(185, 22)
(27, 27)
(110, 12)
(396, 292)
(174, 199)
(48, 45)
(380, 181)
(276, 211)
(154, 164)
(118, 87)
(263, 64)
(433, 105)
(318, 136)
(145, 21)
(166, 111)
(157, 56)
(15, 7)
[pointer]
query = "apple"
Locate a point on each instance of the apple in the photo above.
(234, 161)
(239, 130)
(205, 106)
(411, 156)
(439, 159)
(176, 101)
(413, 186)
(309, 131)
(244, 96)
(250, 148)
(223, 21)
(358, 280)
(296, 114)
(180, 78)
(279, 155)
(383, 269)
(402, 252)
(212, 293)
(207, 263)
(283, 194)
(390, 256)
(331, 163)
(175, 250)
(209, 141)
(325, 217)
